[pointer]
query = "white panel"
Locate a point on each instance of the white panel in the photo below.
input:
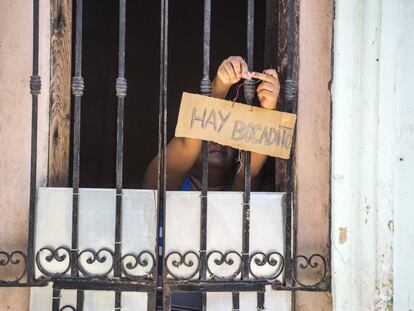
(219, 301)
(182, 227)
(277, 300)
(139, 227)
(224, 230)
(41, 298)
(132, 301)
(96, 227)
(99, 301)
(267, 231)
(53, 225)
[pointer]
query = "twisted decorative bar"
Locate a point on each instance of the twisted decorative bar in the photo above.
(35, 85)
(121, 87)
(290, 90)
(78, 86)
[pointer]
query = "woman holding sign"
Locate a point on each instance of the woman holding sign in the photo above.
(184, 154)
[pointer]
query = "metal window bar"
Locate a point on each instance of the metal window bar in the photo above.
(35, 89)
(121, 91)
(162, 147)
(205, 88)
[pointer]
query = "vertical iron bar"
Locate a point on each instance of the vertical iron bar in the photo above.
(205, 88)
(236, 301)
(290, 100)
(248, 93)
(118, 300)
(79, 300)
(121, 91)
(77, 91)
(35, 88)
(260, 301)
(55, 299)
(162, 151)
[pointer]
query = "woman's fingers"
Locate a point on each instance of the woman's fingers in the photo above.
(267, 99)
(271, 72)
(231, 75)
(267, 86)
(265, 77)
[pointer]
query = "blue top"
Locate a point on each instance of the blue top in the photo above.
(186, 185)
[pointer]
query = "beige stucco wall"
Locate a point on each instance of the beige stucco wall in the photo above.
(313, 138)
(16, 17)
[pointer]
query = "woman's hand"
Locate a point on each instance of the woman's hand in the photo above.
(268, 90)
(232, 70)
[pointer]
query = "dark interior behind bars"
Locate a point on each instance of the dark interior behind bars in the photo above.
(185, 64)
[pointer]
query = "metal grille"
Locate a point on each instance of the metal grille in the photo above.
(80, 278)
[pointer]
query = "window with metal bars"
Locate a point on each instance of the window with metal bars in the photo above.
(160, 279)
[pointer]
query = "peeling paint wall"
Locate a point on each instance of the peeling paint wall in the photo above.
(16, 17)
(373, 155)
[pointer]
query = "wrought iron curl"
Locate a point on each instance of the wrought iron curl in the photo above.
(224, 258)
(273, 259)
(60, 254)
(13, 258)
(138, 260)
(310, 262)
(67, 308)
(177, 260)
(96, 256)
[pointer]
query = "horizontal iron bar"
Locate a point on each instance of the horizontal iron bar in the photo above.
(215, 286)
(105, 285)
(42, 283)
(324, 289)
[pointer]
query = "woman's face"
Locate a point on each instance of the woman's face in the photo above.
(219, 156)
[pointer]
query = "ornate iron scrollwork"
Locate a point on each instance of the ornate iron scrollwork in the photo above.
(314, 262)
(93, 259)
(59, 255)
(175, 260)
(230, 259)
(15, 258)
(130, 262)
(273, 259)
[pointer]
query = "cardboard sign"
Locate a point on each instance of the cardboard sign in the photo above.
(239, 126)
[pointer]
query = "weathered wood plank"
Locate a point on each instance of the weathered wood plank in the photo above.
(61, 58)
(282, 31)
